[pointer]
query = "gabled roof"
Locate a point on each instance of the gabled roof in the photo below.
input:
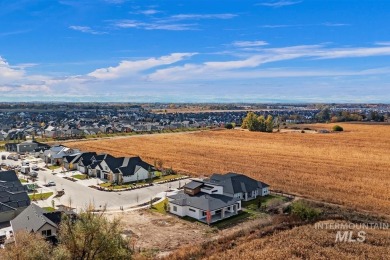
(235, 183)
(85, 158)
(131, 165)
(13, 194)
(69, 158)
(113, 163)
(203, 201)
(31, 219)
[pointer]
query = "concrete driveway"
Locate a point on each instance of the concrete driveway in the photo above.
(79, 196)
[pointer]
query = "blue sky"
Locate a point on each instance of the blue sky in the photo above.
(195, 51)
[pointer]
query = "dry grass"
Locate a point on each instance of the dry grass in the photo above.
(306, 242)
(350, 168)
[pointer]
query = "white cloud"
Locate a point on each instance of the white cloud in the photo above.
(249, 43)
(146, 12)
(352, 52)
(335, 24)
(202, 16)
(128, 68)
(5, 89)
(227, 69)
(277, 25)
(280, 3)
(383, 43)
(155, 26)
(176, 70)
(171, 23)
(8, 73)
(85, 29)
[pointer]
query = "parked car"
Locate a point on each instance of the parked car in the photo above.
(60, 193)
(34, 168)
(50, 183)
(33, 174)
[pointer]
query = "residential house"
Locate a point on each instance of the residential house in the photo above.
(11, 147)
(56, 154)
(124, 169)
(239, 185)
(34, 219)
(72, 162)
(13, 196)
(92, 165)
(207, 207)
(30, 146)
(216, 198)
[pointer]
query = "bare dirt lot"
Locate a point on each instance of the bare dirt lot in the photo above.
(157, 233)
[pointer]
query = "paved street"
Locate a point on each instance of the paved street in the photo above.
(78, 195)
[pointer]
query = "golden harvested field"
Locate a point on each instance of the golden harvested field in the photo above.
(350, 168)
(303, 242)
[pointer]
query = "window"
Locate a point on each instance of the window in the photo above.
(214, 191)
(174, 208)
(46, 233)
(190, 209)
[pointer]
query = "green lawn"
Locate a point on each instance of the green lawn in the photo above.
(54, 167)
(40, 196)
(49, 209)
(160, 207)
(122, 186)
(80, 176)
(22, 180)
(166, 177)
(252, 205)
(243, 215)
(140, 183)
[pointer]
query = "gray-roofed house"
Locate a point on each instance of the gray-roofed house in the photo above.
(13, 196)
(35, 219)
(239, 185)
(205, 205)
(216, 198)
(56, 154)
(124, 169)
(29, 146)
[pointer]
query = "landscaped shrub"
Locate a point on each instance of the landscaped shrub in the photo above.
(304, 211)
(229, 126)
(337, 128)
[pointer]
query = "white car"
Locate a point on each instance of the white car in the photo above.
(50, 183)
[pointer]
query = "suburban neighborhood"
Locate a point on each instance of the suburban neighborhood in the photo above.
(40, 184)
(62, 122)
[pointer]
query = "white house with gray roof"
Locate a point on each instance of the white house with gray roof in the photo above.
(34, 219)
(203, 206)
(238, 185)
(216, 198)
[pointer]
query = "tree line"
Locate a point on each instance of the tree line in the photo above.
(252, 122)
